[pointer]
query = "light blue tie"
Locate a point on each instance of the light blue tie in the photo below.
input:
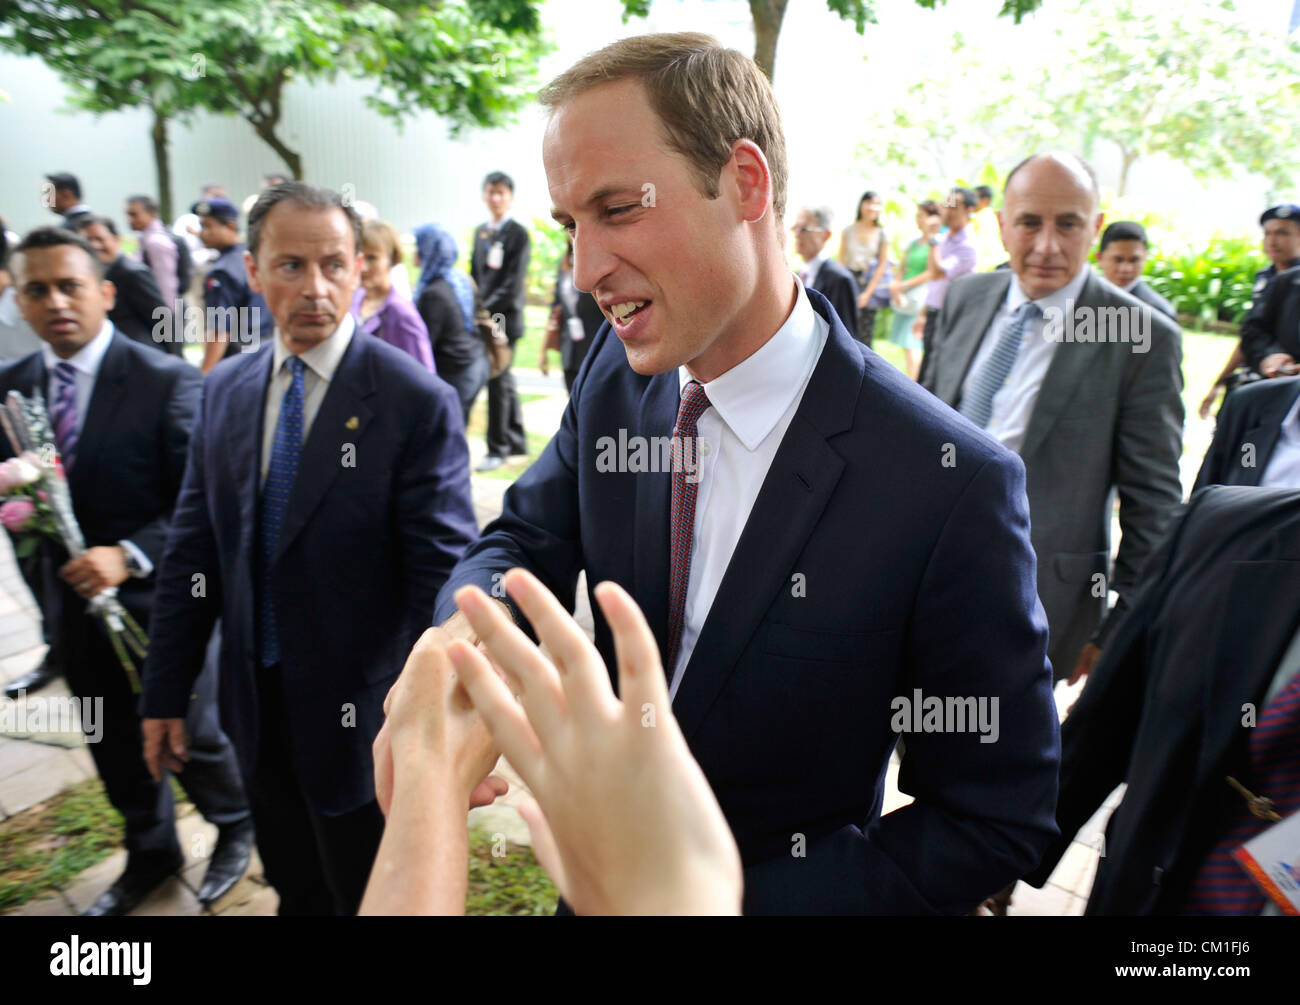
(275, 500)
(978, 405)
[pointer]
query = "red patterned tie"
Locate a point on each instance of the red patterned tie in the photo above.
(1221, 885)
(682, 526)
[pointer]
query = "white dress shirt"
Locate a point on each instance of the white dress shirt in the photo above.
(85, 364)
(750, 408)
(321, 361)
(1013, 405)
(1283, 468)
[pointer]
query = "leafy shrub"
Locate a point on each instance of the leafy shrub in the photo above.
(1213, 284)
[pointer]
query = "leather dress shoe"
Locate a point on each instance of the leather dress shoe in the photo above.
(143, 873)
(229, 861)
(32, 681)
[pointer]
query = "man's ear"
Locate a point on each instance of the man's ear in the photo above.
(109, 292)
(250, 266)
(752, 179)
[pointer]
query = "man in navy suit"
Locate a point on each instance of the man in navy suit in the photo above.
(326, 499)
(823, 554)
(121, 415)
(1257, 438)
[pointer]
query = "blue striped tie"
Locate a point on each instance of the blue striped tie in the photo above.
(978, 405)
(64, 412)
(275, 501)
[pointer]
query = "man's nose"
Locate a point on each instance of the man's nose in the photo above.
(1047, 243)
(592, 261)
(314, 286)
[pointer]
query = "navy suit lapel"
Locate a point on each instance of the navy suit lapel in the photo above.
(342, 419)
(656, 416)
(1263, 436)
(795, 492)
(243, 430)
(105, 400)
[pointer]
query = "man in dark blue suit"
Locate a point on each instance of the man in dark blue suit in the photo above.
(121, 415)
(823, 553)
(1257, 438)
(326, 499)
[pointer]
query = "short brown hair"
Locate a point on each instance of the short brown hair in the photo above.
(382, 234)
(706, 97)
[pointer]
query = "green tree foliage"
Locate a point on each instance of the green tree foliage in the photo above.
(473, 62)
(768, 16)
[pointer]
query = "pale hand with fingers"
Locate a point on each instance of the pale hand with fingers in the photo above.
(628, 823)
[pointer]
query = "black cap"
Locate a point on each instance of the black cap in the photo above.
(1285, 211)
(218, 208)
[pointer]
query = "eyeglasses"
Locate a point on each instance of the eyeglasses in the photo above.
(808, 230)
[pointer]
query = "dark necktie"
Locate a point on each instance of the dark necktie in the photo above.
(682, 523)
(280, 473)
(63, 413)
(1221, 885)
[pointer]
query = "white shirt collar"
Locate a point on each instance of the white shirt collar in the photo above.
(496, 227)
(86, 359)
(753, 395)
(322, 359)
(1062, 299)
(814, 266)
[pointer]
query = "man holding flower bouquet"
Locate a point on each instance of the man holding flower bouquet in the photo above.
(119, 416)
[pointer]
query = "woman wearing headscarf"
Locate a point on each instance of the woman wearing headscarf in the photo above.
(444, 296)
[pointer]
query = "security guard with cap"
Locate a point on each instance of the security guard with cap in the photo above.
(226, 286)
(1281, 225)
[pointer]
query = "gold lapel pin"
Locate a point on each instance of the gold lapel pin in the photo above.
(352, 423)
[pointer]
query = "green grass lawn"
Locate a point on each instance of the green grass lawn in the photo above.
(45, 848)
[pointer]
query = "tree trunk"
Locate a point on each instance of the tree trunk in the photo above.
(292, 159)
(162, 165)
(768, 15)
(1129, 157)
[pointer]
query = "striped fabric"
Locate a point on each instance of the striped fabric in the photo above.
(978, 405)
(63, 414)
(1221, 885)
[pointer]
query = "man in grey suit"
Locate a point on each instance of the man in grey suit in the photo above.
(1083, 381)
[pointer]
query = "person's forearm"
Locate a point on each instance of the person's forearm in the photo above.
(932, 263)
(1234, 361)
(422, 864)
(916, 280)
(214, 348)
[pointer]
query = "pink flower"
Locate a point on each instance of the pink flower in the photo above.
(42, 495)
(16, 513)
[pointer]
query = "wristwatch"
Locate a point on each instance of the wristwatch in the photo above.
(933, 241)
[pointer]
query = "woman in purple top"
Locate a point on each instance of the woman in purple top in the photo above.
(380, 309)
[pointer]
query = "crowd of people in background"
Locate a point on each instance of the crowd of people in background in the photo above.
(999, 574)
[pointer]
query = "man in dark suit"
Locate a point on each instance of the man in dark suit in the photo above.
(1257, 439)
(1080, 379)
(1270, 332)
(820, 272)
(794, 621)
(325, 500)
(1197, 686)
(62, 194)
(121, 416)
(138, 309)
(500, 270)
(1122, 255)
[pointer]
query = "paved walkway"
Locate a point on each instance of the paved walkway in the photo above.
(36, 766)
